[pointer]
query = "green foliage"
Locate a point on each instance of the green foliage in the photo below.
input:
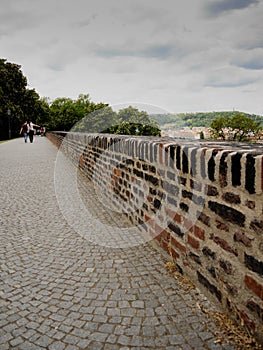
(65, 113)
(13, 85)
(23, 103)
(217, 127)
(43, 116)
(200, 119)
(100, 119)
(237, 128)
(128, 121)
(131, 121)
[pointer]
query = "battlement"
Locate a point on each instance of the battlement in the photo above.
(202, 202)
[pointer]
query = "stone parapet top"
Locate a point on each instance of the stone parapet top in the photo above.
(256, 148)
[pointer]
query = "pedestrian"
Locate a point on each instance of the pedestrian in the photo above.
(31, 131)
(24, 130)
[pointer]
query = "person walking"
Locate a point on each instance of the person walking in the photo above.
(24, 130)
(31, 131)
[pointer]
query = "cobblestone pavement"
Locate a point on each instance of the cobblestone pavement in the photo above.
(59, 291)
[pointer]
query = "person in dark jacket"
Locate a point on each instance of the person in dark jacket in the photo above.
(24, 130)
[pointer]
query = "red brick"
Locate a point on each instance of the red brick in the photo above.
(223, 244)
(253, 285)
(193, 242)
(178, 245)
(221, 226)
(231, 198)
(241, 237)
(165, 246)
(149, 222)
(150, 199)
(247, 321)
(146, 217)
(204, 219)
(165, 235)
(153, 234)
(117, 171)
(173, 215)
(199, 233)
(174, 253)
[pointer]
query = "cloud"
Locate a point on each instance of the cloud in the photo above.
(157, 51)
(230, 77)
(82, 24)
(149, 51)
(13, 21)
(215, 8)
(249, 59)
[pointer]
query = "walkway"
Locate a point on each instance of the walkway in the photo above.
(60, 291)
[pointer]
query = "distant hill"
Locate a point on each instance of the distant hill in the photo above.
(199, 119)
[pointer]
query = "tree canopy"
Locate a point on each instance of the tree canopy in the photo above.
(237, 128)
(18, 103)
(131, 121)
(128, 121)
(66, 112)
(199, 119)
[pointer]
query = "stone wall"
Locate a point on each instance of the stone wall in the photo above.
(202, 202)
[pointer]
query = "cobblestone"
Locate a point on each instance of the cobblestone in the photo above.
(59, 291)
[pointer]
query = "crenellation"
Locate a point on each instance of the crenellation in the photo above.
(185, 160)
(250, 174)
(212, 165)
(203, 204)
(193, 161)
(202, 170)
(178, 157)
(259, 174)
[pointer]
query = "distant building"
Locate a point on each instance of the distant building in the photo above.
(186, 133)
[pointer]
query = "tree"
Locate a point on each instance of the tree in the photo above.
(99, 120)
(12, 90)
(135, 122)
(43, 118)
(62, 114)
(80, 115)
(133, 115)
(128, 121)
(217, 128)
(240, 127)
(21, 102)
(237, 128)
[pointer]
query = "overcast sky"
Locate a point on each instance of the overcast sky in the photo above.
(177, 55)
